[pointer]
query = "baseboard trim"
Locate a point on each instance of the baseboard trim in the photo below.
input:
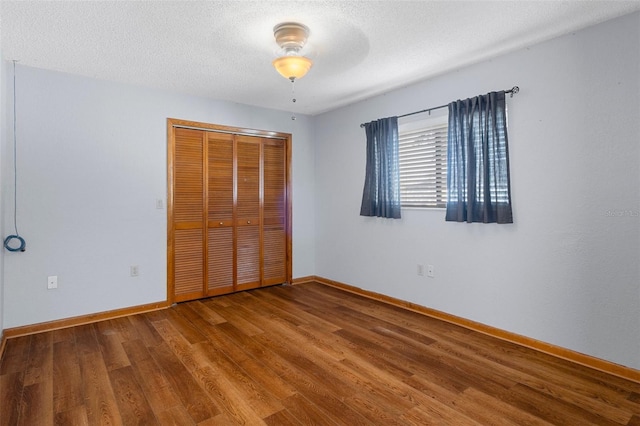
(3, 343)
(80, 320)
(547, 348)
(303, 280)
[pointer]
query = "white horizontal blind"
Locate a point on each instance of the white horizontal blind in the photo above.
(423, 167)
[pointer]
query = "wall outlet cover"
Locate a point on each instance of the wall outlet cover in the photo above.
(52, 282)
(430, 271)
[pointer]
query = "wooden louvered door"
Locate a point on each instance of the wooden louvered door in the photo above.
(274, 220)
(220, 241)
(188, 214)
(248, 180)
(229, 210)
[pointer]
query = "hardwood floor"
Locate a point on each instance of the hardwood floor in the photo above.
(290, 355)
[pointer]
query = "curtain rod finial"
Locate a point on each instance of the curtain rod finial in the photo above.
(514, 90)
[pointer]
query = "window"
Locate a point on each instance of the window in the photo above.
(423, 163)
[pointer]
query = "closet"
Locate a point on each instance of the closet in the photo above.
(229, 209)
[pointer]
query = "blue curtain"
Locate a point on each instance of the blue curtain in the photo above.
(478, 188)
(381, 194)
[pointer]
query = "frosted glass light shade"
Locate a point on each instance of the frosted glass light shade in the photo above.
(292, 67)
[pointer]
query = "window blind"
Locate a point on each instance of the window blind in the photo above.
(423, 167)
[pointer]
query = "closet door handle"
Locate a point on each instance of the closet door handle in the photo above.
(220, 223)
(249, 222)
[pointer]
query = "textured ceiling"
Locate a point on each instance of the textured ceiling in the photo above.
(223, 49)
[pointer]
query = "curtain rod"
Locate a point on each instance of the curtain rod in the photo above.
(513, 91)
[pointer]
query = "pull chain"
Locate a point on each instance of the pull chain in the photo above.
(293, 96)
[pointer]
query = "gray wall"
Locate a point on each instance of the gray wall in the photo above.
(567, 271)
(92, 163)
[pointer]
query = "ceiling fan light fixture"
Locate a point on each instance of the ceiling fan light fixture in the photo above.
(291, 37)
(292, 67)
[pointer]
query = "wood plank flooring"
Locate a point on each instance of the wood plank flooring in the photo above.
(296, 355)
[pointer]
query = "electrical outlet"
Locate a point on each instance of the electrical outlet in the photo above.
(52, 282)
(133, 270)
(159, 204)
(420, 270)
(430, 271)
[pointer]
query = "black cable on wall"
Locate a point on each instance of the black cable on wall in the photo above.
(7, 241)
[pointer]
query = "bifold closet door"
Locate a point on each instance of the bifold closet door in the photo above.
(188, 214)
(229, 226)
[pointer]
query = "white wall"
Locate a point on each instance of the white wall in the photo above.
(567, 271)
(92, 162)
